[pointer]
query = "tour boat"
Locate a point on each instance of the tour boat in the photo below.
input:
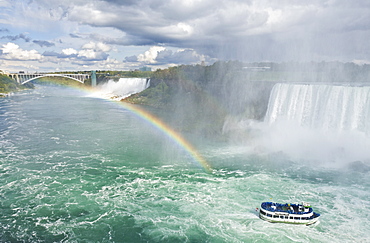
(288, 213)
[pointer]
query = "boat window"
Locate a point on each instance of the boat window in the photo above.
(269, 215)
(276, 216)
(281, 217)
(297, 218)
(291, 217)
(263, 212)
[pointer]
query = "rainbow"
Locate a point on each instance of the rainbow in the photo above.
(160, 125)
(169, 132)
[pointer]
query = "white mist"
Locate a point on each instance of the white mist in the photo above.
(326, 125)
(121, 89)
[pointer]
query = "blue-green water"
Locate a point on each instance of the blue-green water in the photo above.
(80, 169)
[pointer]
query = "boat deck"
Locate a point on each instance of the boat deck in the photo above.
(285, 208)
(288, 213)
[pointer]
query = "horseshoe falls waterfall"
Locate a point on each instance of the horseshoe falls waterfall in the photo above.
(75, 168)
(329, 107)
(317, 121)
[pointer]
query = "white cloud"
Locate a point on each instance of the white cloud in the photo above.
(12, 51)
(69, 51)
(88, 53)
(181, 56)
(99, 46)
(94, 51)
(159, 56)
(150, 55)
(178, 31)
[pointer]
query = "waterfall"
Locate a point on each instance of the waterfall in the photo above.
(121, 89)
(327, 107)
(329, 124)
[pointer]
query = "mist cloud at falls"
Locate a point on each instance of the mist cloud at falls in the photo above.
(326, 125)
(321, 124)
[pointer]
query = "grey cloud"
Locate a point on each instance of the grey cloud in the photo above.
(124, 41)
(43, 43)
(166, 56)
(58, 55)
(131, 59)
(17, 37)
(251, 30)
(122, 2)
(74, 36)
(98, 56)
(180, 57)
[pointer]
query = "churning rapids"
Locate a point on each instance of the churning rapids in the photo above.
(74, 168)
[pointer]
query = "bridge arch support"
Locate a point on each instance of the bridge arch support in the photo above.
(81, 78)
(25, 78)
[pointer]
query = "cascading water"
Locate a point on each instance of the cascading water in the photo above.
(123, 88)
(328, 107)
(326, 123)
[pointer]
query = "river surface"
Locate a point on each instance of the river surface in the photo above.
(75, 168)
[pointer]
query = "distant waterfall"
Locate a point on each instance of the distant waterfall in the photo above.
(123, 88)
(327, 107)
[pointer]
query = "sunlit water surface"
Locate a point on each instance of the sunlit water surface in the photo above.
(79, 169)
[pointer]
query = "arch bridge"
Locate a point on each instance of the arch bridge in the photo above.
(23, 78)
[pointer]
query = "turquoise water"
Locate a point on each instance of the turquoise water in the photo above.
(79, 169)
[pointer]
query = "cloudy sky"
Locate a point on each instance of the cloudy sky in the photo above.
(43, 35)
